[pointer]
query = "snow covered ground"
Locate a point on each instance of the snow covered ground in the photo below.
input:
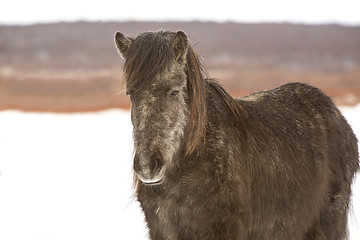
(68, 177)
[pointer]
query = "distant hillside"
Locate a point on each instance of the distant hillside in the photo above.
(51, 61)
(91, 44)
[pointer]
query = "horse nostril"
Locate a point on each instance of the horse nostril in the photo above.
(153, 165)
(156, 163)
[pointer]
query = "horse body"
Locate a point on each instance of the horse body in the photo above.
(276, 164)
(299, 144)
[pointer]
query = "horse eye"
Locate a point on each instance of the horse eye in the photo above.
(174, 93)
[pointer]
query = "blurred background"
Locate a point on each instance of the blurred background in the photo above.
(65, 133)
(60, 56)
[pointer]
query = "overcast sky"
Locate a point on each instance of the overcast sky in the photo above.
(302, 11)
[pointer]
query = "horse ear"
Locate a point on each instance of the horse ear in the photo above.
(122, 43)
(180, 46)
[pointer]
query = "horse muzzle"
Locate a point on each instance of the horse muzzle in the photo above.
(150, 171)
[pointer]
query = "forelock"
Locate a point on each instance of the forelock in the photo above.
(149, 55)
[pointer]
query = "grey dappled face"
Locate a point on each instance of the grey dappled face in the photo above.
(159, 118)
(157, 85)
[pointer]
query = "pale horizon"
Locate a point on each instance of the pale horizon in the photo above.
(345, 12)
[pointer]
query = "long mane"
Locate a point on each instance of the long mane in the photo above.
(196, 84)
(198, 81)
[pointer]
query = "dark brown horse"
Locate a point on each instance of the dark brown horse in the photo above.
(276, 164)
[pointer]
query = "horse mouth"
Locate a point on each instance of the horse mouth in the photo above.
(154, 180)
(151, 182)
(154, 183)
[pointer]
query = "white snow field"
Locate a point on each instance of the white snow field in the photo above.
(69, 177)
